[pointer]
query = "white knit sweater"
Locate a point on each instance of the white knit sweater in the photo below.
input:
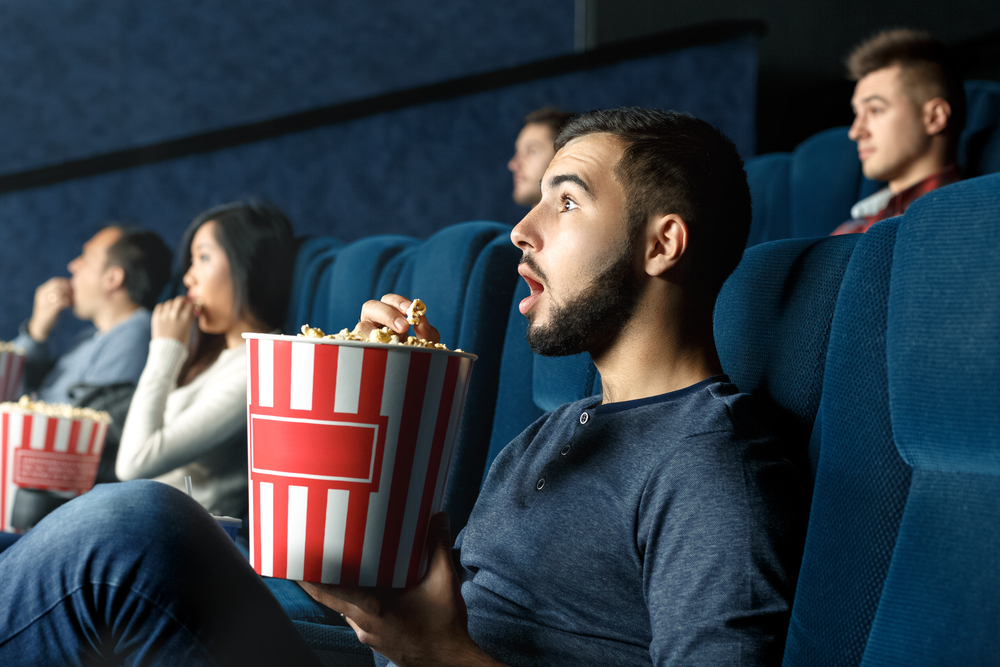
(198, 429)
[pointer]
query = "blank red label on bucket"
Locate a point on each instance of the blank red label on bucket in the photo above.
(349, 447)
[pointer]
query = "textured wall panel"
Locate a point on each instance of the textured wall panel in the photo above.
(80, 77)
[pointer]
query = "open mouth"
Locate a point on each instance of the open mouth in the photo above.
(536, 291)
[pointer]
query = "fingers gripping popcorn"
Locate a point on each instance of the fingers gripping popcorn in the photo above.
(383, 335)
(415, 312)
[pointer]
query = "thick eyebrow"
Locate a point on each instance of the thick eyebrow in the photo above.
(571, 178)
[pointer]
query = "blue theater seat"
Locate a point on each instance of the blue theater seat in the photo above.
(772, 326)
(353, 279)
(313, 256)
(902, 556)
(808, 192)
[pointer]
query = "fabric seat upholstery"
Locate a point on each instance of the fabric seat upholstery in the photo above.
(772, 324)
(902, 559)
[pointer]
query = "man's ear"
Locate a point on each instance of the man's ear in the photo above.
(937, 111)
(113, 278)
(667, 241)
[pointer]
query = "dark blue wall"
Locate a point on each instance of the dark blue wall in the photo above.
(410, 170)
(81, 77)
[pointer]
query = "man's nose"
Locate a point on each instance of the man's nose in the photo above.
(525, 233)
(512, 163)
(857, 128)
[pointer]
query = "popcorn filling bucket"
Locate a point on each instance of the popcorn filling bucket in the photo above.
(11, 372)
(51, 453)
(349, 448)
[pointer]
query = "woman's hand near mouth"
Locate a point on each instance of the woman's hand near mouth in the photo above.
(173, 319)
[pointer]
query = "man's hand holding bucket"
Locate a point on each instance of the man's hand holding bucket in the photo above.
(423, 625)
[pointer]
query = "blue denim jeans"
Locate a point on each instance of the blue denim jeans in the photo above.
(137, 574)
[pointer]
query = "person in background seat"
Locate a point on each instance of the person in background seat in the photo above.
(188, 415)
(909, 110)
(114, 285)
(533, 150)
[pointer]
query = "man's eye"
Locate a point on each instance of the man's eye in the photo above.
(568, 204)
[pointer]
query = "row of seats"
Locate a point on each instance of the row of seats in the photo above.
(875, 355)
(880, 352)
(808, 192)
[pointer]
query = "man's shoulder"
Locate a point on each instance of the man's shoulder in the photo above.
(135, 327)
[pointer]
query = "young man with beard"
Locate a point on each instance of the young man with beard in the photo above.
(656, 523)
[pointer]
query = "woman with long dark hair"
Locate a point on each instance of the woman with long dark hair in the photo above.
(188, 415)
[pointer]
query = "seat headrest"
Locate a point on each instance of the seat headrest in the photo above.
(943, 337)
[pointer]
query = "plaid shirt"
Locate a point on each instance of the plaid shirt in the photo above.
(900, 201)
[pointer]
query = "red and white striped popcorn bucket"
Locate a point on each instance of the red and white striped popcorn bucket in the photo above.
(11, 374)
(349, 448)
(45, 452)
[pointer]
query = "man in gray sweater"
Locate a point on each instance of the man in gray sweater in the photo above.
(113, 285)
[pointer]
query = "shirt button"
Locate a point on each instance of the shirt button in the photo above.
(565, 450)
(584, 417)
(540, 483)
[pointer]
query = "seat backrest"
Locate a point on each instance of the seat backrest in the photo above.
(940, 603)
(353, 278)
(826, 180)
(313, 257)
(772, 323)
(859, 487)
(770, 179)
(979, 146)
(902, 559)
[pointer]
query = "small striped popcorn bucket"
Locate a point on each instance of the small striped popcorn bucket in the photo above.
(349, 448)
(11, 372)
(46, 452)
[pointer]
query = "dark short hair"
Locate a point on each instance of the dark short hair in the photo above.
(675, 163)
(925, 63)
(555, 119)
(145, 259)
(259, 244)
